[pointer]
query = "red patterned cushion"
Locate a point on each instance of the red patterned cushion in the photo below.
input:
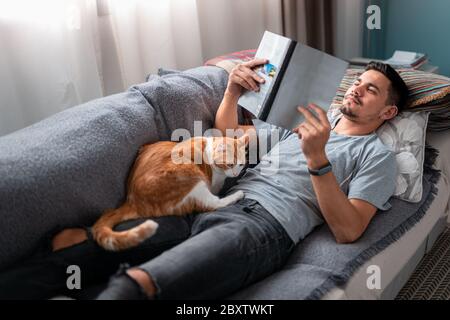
(227, 61)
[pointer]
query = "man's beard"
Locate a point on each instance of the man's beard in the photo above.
(346, 111)
(345, 108)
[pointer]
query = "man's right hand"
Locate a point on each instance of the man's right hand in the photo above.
(242, 76)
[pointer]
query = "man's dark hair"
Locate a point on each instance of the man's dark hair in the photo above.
(398, 91)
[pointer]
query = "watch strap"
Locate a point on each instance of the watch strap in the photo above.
(321, 171)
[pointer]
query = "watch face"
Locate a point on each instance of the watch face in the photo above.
(325, 169)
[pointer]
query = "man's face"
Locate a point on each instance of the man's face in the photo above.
(367, 99)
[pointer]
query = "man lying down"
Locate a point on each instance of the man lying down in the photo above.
(336, 173)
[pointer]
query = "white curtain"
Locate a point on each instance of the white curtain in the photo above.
(55, 54)
(47, 59)
(349, 21)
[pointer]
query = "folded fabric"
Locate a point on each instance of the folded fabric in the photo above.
(67, 169)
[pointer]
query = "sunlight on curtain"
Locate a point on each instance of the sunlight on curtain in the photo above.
(48, 59)
(183, 34)
(232, 25)
(39, 13)
(153, 33)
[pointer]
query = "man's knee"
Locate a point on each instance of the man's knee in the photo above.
(68, 237)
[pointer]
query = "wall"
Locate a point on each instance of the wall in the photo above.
(413, 25)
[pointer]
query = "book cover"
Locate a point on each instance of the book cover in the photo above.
(274, 48)
(300, 75)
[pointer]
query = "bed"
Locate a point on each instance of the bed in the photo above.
(67, 169)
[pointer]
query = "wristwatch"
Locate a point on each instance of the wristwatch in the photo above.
(321, 171)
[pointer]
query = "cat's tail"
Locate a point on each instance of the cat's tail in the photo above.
(109, 239)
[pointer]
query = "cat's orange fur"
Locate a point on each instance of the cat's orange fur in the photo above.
(170, 178)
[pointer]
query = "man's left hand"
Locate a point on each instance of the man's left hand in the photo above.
(314, 133)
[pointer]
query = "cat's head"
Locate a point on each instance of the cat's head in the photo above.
(229, 154)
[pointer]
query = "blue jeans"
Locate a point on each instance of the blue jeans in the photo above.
(199, 256)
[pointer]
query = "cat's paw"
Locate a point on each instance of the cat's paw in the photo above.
(235, 197)
(239, 194)
(230, 199)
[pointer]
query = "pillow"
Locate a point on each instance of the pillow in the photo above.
(228, 61)
(428, 92)
(405, 135)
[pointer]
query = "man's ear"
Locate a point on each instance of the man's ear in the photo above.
(389, 112)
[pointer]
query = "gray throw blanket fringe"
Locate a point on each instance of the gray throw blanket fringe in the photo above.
(335, 280)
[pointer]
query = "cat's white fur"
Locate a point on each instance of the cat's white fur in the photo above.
(203, 194)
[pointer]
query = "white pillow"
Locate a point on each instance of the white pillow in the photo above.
(405, 135)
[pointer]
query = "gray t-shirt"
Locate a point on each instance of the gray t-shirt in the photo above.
(364, 168)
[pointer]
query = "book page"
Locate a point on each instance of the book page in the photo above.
(311, 77)
(274, 48)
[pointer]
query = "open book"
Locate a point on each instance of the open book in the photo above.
(295, 75)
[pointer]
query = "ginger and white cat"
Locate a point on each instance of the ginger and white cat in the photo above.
(170, 178)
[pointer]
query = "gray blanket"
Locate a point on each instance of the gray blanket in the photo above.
(66, 170)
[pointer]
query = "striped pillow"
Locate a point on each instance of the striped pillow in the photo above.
(427, 92)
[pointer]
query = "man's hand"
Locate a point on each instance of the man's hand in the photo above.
(314, 133)
(347, 218)
(242, 76)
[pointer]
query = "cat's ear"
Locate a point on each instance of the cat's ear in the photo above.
(244, 139)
